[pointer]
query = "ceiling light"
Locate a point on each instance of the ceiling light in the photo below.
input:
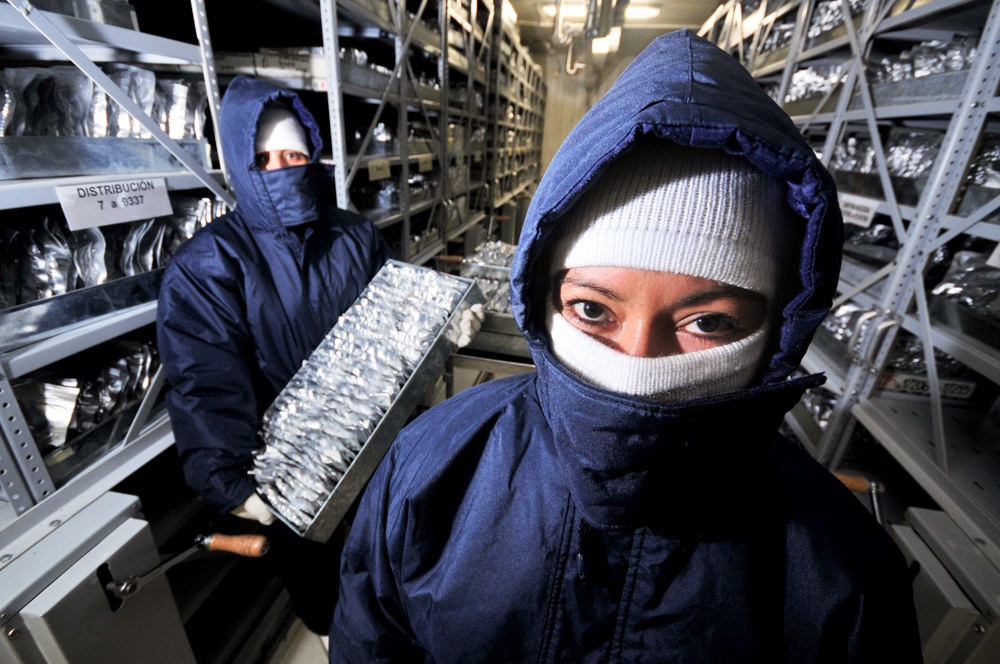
(609, 44)
(568, 11)
(634, 12)
(641, 12)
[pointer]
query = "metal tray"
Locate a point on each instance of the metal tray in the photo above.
(500, 335)
(24, 157)
(416, 386)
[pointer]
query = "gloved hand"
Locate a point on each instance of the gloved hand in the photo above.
(255, 509)
(472, 320)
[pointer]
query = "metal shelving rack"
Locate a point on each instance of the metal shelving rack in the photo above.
(47, 331)
(950, 448)
(50, 518)
(458, 37)
(518, 103)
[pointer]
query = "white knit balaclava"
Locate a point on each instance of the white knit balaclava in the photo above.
(280, 129)
(683, 210)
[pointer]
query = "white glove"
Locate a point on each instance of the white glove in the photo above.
(472, 320)
(255, 509)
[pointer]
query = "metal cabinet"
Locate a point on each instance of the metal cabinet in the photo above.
(899, 100)
(62, 527)
(434, 107)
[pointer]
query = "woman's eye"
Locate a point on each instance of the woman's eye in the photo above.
(589, 311)
(712, 324)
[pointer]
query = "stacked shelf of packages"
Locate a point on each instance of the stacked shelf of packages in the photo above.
(105, 169)
(518, 105)
(900, 103)
(107, 172)
(405, 101)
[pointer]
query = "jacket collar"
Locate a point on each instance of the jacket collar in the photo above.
(631, 462)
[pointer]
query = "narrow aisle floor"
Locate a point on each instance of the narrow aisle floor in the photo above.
(301, 647)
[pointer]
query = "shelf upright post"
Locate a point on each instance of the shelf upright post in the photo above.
(86, 65)
(210, 77)
(794, 48)
(942, 189)
(334, 100)
(18, 455)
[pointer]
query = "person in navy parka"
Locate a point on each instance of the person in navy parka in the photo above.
(632, 500)
(246, 301)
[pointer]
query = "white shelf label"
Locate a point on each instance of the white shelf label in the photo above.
(858, 210)
(113, 202)
(378, 169)
(425, 162)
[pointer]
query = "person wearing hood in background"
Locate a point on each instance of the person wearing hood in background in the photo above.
(246, 301)
(632, 500)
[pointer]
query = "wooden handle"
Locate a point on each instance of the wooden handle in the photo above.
(250, 546)
(855, 483)
(446, 258)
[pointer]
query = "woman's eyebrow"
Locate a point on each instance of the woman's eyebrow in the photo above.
(719, 292)
(583, 283)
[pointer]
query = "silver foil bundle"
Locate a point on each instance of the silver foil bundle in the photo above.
(490, 265)
(971, 281)
(320, 421)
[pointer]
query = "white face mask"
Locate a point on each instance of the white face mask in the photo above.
(668, 379)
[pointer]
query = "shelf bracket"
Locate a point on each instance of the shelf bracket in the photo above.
(23, 474)
(41, 22)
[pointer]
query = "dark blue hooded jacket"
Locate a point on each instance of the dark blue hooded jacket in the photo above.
(252, 294)
(540, 519)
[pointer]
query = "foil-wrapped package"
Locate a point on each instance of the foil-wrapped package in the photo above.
(973, 283)
(814, 82)
(354, 392)
(490, 265)
(829, 14)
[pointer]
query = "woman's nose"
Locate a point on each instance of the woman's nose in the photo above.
(642, 339)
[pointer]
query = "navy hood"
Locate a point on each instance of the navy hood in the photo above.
(686, 90)
(270, 199)
(618, 452)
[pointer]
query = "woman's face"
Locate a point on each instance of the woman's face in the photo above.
(651, 314)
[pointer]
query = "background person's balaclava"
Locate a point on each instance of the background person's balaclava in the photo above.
(279, 129)
(672, 208)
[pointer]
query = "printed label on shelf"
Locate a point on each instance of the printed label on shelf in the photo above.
(954, 388)
(994, 259)
(459, 158)
(378, 169)
(113, 202)
(858, 210)
(425, 162)
(477, 156)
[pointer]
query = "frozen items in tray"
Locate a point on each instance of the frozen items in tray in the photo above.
(382, 142)
(140, 85)
(905, 368)
(985, 168)
(111, 12)
(63, 101)
(814, 82)
(63, 402)
(490, 265)
(323, 417)
(972, 282)
(927, 58)
(829, 14)
(43, 258)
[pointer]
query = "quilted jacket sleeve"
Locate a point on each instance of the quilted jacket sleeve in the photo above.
(369, 623)
(204, 347)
